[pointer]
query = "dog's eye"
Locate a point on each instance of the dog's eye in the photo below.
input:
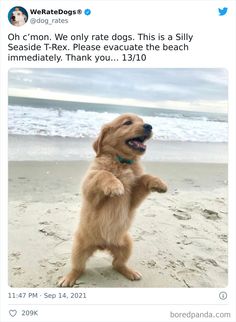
(128, 123)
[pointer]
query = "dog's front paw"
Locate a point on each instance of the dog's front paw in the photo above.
(157, 185)
(115, 189)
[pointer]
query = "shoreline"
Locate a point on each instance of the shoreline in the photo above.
(43, 148)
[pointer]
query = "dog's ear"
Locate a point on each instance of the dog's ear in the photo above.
(97, 145)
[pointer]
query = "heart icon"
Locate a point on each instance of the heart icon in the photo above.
(12, 312)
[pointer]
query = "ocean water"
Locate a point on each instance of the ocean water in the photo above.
(27, 116)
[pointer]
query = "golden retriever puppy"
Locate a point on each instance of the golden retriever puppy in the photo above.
(113, 188)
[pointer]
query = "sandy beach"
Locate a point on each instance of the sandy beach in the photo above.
(180, 238)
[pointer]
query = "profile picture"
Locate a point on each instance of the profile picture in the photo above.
(18, 16)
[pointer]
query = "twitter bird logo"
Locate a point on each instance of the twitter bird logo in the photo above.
(223, 11)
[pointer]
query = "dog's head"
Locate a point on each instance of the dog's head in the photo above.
(18, 18)
(123, 136)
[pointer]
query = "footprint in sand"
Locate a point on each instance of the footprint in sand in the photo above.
(203, 263)
(193, 278)
(18, 270)
(211, 214)
(56, 263)
(16, 255)
(45, 222)
(49, 233)
(181, 215)
(186, 241)
(149, 263)
(223, 237)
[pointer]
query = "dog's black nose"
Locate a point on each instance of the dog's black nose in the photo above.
(147, 127)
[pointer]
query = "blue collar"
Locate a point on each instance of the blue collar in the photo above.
(123, 160)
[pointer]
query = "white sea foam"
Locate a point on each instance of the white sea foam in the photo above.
(82, 124)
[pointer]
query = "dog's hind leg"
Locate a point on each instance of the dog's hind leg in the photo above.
(121, 255)
(80, 253)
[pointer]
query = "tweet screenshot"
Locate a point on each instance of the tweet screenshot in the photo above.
(117, 168)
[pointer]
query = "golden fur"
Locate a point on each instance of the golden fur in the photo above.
(111, 192)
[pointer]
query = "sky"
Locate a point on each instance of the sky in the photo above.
(191, 89)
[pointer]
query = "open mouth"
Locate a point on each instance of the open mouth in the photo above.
(137, 143)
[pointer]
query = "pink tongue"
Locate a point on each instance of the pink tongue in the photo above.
(139, 144)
